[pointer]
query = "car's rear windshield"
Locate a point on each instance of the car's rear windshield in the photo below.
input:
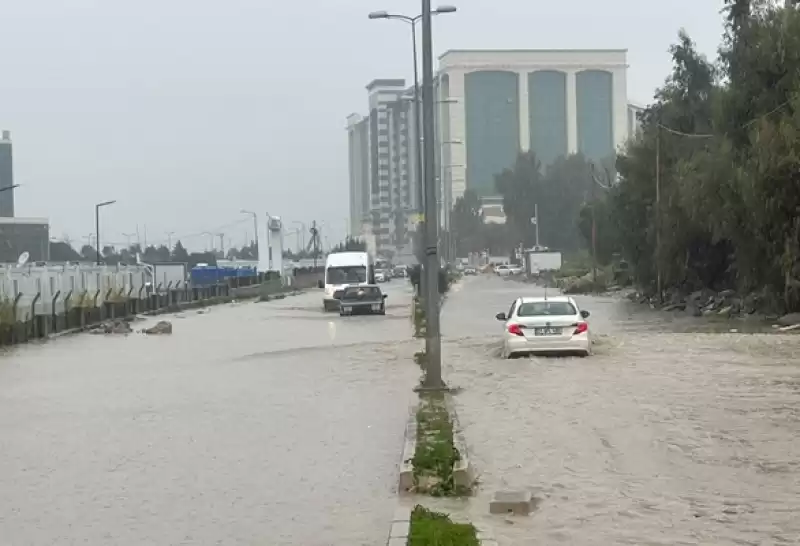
(361, 291)
(546, 309)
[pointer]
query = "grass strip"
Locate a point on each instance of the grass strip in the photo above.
(435, 453)
(430, 528)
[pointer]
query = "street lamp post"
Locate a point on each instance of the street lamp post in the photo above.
(269, 242)
(433, 339)
(418, 137)
(303, 238)
(255, 226)
(97, 208)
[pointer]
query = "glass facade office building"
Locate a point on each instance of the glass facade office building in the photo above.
(551, 102)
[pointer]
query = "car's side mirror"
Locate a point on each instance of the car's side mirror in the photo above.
(585, 314)
(320, 284)
(385, 296)
(500, 316)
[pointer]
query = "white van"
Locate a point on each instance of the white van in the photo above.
(343, 269)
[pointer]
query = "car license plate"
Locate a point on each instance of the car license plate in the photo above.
(376, 307)
(547, 331)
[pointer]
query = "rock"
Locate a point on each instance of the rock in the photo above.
(727, 293)
(696, 296)
(675, 307)
(162, 327)
(750, 303)
(519, 503)
(726, 310)
(117, 326)
(693, 309)
(789, 320)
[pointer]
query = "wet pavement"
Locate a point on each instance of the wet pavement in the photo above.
(663, 437)
(269, 423)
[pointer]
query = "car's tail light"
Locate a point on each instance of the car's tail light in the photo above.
(580, 328)
(515, 330)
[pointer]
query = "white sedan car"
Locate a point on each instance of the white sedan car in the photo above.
(545, 325)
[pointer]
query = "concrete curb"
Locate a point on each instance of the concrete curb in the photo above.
(406, 482)
(463, 473)
(401, 528)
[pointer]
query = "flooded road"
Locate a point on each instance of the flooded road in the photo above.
(660, 438)
(268, 423)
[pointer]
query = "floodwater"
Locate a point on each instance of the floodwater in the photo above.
(660, 438)
(254, 423)
(280, 425)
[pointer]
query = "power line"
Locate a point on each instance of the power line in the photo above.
(708, 135)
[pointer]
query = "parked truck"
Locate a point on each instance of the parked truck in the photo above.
(541, 261)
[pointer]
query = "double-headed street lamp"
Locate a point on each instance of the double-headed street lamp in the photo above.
(433, 341)
(97, 208)
(417, 110)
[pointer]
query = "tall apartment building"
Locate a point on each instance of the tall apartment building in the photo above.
(381, 160)
(496, 104)
(6, 176)
(358, 161)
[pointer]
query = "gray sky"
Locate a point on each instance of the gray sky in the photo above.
(187, 111)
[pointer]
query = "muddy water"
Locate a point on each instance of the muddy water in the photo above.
(661, 438)
(267, 423)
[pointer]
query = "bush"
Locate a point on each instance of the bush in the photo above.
(430, 528)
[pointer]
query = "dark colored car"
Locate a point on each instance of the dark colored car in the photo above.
(366, 299)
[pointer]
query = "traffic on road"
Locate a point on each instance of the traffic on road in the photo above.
(252, 419)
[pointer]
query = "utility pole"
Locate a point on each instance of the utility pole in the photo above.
(169, 240)
(658, 213)
(128, 238)
(433, 341)
(594, 236)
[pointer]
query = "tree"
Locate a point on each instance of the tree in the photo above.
(179, 253)
(467, 224)
(520, 187)
(63, 252)
(730, 191)
(88, 253)
(351, 244)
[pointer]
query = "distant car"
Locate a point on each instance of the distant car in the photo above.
(545, 325)
(503, 270)
(515, 270)
(362, 300)
(381, 275)
(400, 271)
(470, 271)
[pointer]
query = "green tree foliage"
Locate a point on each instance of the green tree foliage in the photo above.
(467, 227)
(63, 252)
(729, 156)
(351, 244)
(179, 253)
(559, 194)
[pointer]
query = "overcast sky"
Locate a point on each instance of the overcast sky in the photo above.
(187, 111)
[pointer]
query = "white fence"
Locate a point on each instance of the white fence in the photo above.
(42, 290)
